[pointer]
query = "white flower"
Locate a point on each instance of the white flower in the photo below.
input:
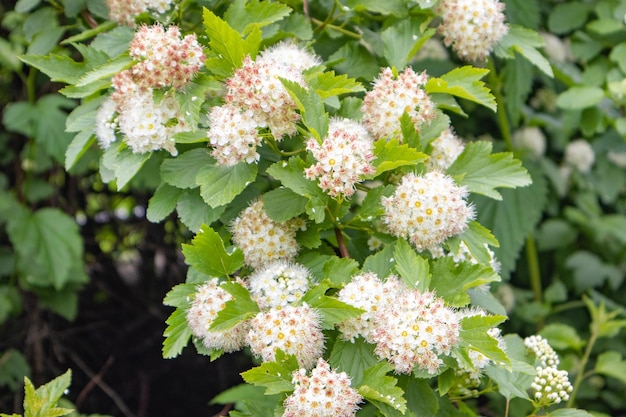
(551, 386)
(288, 54)
(579, 154)
(532, 139)
(278, 284)
(125, 11)
(106, 122)
(445, 149)
(325, 393)
(472, 27)
(343, 159)
(542, 350)
(233, 135)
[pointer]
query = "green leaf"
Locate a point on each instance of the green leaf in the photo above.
(123, 163)
(177, 334)
(476, 237)
(227, 42)
(311, 108)
(391, 155)
(421, 398)
(482, 172)
(413, 269)
(41, 402)
(355, 60)
(340, 270)
(219, 185)
(207, 254)
(353, 358)
(78, 147)
(371, 207)
(241, 308)
(464, 82)
(580, 97)
(451, 281)
(523, 12)
(566, 17)
(395, 7)
(242, 14)
(274, 376)
(562, 337)
(474, 335)
(194, 212)
(282, 204)
(13, 369)
(181, 171)
(381, 263)
(60, 68)
(570, 412)
(611, 364)
(517, 77)
(327, 84)
(107, 70)
(514, 382)
(180, 296)
(331, 309)
(163, 202)
(590, 271)
(402, 41)
(48, 245)
(378, 388)
(525, 42)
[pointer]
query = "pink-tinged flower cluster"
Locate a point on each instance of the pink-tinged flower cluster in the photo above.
(415, 330)
(164, 58)
(427, 209)
(207, 302)
(367, 292)
(325, 393)
(343, 159)
(472, 27)
(125, 11)
(445, 149)
(390, 97)
(296, 330)
(233, 135)
(261, 239)
(278, 284)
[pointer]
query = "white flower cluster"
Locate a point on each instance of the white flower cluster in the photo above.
(257, 98)
(296, 330)
(464, 255)
(261, 239)
(343, 159)
(147, 124)
(532, 139)
(207, 302)
(445, 149)
(551, 385)
(579, 154)
(472, 27)
(390, 97)
(325, 393)
(125, 11)
(409, 328)
(427, 209)
(278, 284)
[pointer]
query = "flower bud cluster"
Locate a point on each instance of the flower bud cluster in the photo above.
(391, 97)
(472, 27)
(261, 239)
(125, 11)
(326, 393)
(207, 302)
(551, 385)
(532, 139)
(343, 159)
(278, 283)
(427, 209)
(445, 149)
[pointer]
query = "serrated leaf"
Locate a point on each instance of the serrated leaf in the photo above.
(562, 337)
(240, 308)
(464, 82)
(163, 202)
(353, 358)
(208, 254)
(611, 364)
(413, 269)
(525, 42)
(355, 60)
(395, 7)
(421, 398)
(194, 212)
(402, 40)
(451, 281)
(177, 334)
(123, 163)
(476, 237)
(517, 77)
(570, 412)
(327, 84)
(42, 402)
(580, 97)
(60, 68)
(282, 204)
(242, 14)
(220, 185)
(78, 147)
(391, 155)
(377, 387)
(182, 170)
(180, 296)
(371, 207)
(107, 70)
(565, 17)
(482, 172)
(331, 309)
(381, 263)
(274, 376)
(340, 270)
(474, 335)
(311, 108)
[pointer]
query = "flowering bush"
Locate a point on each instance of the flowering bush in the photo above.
(344, 235)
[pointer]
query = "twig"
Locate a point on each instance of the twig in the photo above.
(93, 381)
(224, 411)
(343, 250)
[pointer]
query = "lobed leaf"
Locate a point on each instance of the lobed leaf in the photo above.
(413, 269)
(208, 254)
(219, 185)
(177, 334)
(244, 14)
(464, 82)
(274, 376)
(240, 308)
(391, 155)
(378, 388)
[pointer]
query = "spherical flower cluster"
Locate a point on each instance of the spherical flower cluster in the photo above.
(579, 154)
(414, 330)
(618, 158)
(390, 97)
(551, 386)
(445, 149)
(427, 209)
(207, 302)
(325, 393)
(290, 55)
(261, 239)
(532, 139)
(233, 135)
(278, 284)
(106, 122)
(367, 292)
(164, 59)
(125, 11)
(472, 27)
(296, 330)
(343, 159)
(542, 350)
